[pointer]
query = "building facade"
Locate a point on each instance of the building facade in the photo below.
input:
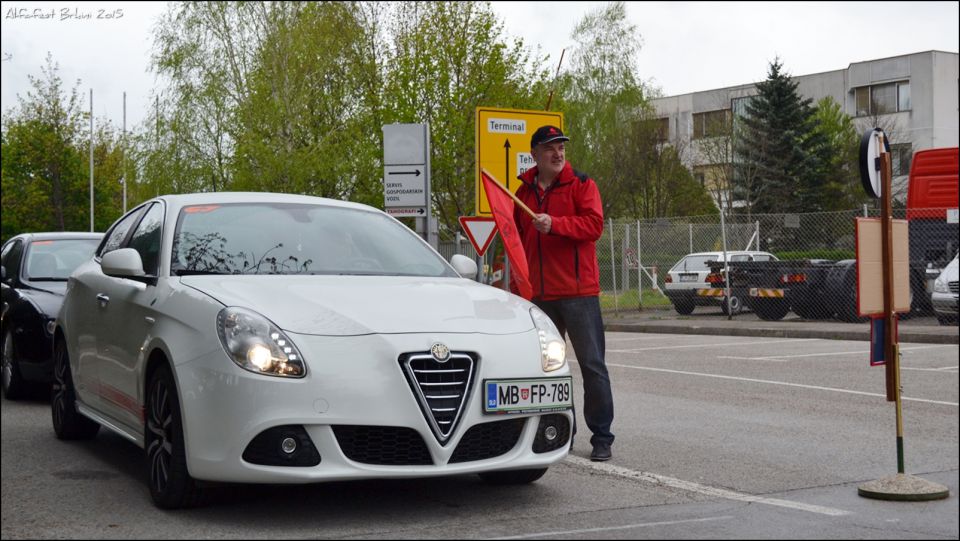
(913, 97)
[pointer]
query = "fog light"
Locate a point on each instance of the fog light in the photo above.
(289, 445)
(550, 433)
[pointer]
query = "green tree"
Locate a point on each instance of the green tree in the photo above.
(839, 165)
(44, 174)
(781, 143)
(602, 98)
(446, 59)
(308, 124)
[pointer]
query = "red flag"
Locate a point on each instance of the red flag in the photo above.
(501, 205)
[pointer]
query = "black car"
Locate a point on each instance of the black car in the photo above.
(35, 269)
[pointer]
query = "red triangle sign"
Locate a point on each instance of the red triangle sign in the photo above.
(480, 230)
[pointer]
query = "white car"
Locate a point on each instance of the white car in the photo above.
(269, 338)
(690, 275)
(944, 295)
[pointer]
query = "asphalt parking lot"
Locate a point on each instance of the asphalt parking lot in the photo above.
(717, 437)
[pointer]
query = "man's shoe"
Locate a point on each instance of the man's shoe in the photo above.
(601, 452)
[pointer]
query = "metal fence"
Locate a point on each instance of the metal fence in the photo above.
(635, 257)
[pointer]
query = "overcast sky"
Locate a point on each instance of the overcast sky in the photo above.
(686, 47)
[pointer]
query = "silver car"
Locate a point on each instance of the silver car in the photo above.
(944, 295)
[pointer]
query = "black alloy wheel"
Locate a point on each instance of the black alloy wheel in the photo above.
(68, 423)
(170, 483)
(10, 378)
(684, 308)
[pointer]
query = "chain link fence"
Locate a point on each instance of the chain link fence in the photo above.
(814, 276)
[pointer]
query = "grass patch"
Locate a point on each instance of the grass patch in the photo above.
(629, 300)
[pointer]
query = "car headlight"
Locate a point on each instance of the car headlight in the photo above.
(553, 348)
(940, 286)
(257, 345)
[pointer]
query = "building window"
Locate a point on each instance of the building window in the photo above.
(900, 156)
(883, 99)
(711, 124)
(663, 129)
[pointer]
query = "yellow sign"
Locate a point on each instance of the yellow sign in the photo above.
(503, 146)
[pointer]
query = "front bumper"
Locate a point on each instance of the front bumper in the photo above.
(945, 304)
(351, 381)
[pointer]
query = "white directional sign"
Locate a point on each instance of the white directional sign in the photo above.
(403, 212)
(404, 186)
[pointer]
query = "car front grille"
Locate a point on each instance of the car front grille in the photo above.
(953, 287)
(488, 440)
(441, 388)
(383, 445)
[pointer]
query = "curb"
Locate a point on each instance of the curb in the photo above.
(905, 335)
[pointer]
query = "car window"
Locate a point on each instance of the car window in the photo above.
(11, 259)
(56, 259)
(285, 238)
(118, 232)
(146, 239)
(761, 257)
(740, 257)
(695, 263)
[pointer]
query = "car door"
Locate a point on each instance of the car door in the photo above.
(10, 258)
(85, 315)
(128, 314)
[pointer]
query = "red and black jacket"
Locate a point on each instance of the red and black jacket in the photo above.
(563, 263)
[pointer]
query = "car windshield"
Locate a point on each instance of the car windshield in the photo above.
(285, 238)
(55, 260)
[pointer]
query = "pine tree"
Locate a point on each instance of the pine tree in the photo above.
(780, 148)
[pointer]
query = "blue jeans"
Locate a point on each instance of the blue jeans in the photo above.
(580, 316)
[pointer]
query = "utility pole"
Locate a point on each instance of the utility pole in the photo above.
(123, 175)
(91, 160)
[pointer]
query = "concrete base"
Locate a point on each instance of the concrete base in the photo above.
(904, 488)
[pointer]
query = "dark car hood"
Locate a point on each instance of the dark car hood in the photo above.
(47, 296)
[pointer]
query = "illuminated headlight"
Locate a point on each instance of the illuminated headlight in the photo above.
(257, 345)
(940, 285)
(553, 349)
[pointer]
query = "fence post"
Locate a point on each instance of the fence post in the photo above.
(613, 270)
(690, 251)
(624, 268)
(726, 260)
(757, 231)
(865, 213)
(639, 271)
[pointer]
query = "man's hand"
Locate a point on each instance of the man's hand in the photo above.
(543, 223)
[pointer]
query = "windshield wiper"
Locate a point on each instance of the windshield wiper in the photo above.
(192, 272)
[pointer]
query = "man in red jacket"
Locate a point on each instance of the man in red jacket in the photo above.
(560, 244)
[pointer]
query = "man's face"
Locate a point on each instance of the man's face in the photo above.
(550, 158)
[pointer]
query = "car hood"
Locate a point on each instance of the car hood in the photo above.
(357, 305)
(47, 296)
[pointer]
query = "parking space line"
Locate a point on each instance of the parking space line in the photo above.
(799, 385)
(701, 489)
(612, 528)
(714, 345)
(943, 369)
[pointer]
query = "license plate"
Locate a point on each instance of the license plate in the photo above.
(527, 395)
(688, 277)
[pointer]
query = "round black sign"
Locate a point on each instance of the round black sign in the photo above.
(870, 152)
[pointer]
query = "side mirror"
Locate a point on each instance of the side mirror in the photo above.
(122, 263)
(465, 266)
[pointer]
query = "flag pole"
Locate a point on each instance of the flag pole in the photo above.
(508, 192)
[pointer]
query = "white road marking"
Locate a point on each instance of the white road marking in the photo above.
(715, 344)
(942, 369)
(800, 385)
(701, 489)
(611, 528)
(782, 358)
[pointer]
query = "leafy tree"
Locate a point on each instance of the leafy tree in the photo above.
(446, 59)
(781, 143)
(602, 97)
(44, 167)
(840, 165)
(309, 123)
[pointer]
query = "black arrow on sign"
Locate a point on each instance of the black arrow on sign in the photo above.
(506, 162)
(417, 173)
(420, 210)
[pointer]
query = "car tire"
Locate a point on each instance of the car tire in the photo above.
(14, 388)
(947, 320)
(170, 483)
(512, 477)
(68, 423)
(736, 305)
(771, 309)
(684, 308)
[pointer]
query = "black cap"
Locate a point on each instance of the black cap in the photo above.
(547, 134)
